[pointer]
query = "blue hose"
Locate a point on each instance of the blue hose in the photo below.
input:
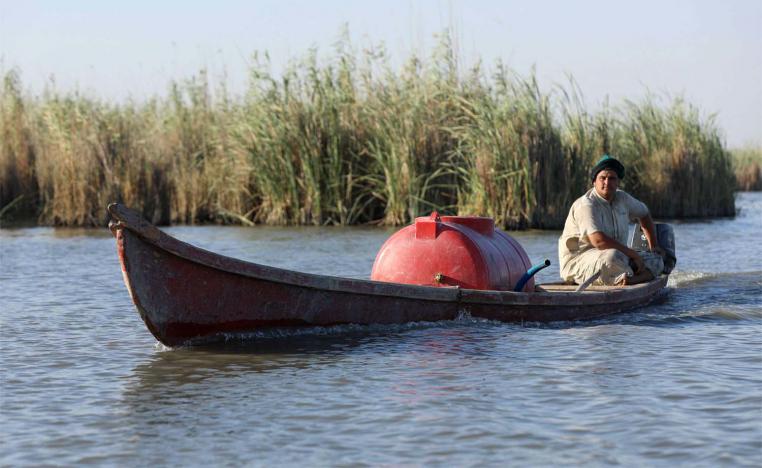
(529, 274)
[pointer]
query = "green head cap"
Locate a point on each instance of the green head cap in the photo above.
(607, 162)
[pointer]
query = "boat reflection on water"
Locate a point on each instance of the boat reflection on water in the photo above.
(177, 367)
(256, 398)
(291, 350)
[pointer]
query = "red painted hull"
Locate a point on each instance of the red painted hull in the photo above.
(185, 294)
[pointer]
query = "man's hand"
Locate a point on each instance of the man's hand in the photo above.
(638, 263)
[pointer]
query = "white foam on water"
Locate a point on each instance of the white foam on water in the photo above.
(161, 347)
(333, 330)
(679, 278)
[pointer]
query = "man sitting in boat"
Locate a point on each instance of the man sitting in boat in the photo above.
(594, 240)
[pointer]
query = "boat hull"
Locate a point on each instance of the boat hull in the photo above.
(185, 294)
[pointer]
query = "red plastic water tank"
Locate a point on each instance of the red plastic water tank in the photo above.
(464, 251)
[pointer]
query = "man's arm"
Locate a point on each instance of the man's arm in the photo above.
(649, 229)
(640, 210)
(602, 242)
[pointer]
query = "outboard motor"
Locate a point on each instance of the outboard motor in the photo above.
(462, 251)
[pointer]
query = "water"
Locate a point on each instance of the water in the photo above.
(83, 381)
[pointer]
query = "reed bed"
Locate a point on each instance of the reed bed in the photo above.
(747, 163)
(351, 140)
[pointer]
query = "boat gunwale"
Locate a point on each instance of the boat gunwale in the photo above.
(147, 232)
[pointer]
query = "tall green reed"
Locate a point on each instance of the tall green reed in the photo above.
(407, 117)
(678, 163)
(350, 140)
(18, 188)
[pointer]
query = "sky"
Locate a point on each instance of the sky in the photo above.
(707, 51)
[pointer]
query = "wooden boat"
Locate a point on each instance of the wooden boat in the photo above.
(185, 294)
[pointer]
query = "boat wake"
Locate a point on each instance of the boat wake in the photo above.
(679, 278)
(703, 297)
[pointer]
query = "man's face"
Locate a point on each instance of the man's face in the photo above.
(606, 183)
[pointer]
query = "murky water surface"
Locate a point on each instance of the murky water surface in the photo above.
(83, 381)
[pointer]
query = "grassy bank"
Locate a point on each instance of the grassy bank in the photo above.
(349, 141)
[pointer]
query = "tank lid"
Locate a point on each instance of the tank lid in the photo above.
(426, 226)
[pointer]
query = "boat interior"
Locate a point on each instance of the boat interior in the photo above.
(566, 287)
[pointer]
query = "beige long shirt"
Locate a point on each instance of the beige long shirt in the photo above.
(592, 213)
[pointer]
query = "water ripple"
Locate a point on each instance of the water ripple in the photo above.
(83, 382)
